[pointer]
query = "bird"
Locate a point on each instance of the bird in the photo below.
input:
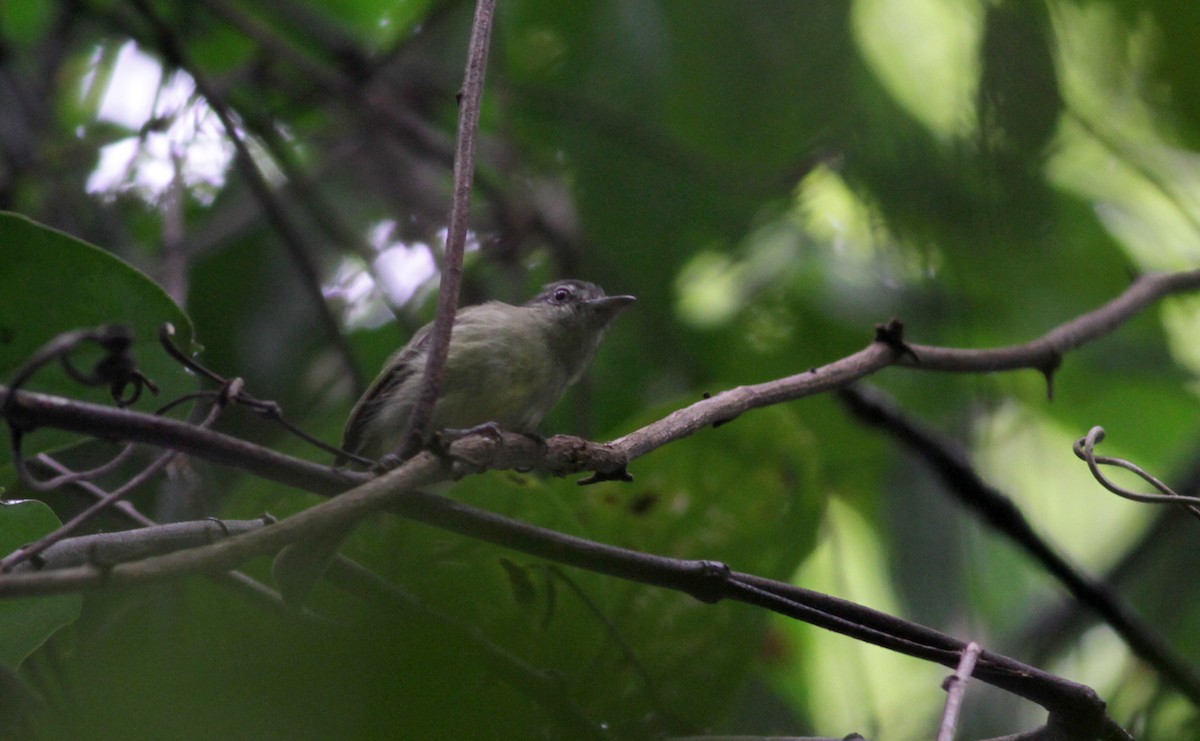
(507, 366)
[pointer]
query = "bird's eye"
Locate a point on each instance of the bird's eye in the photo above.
(561, 294)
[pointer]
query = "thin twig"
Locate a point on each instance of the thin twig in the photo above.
(233, 390)
(456, 236)
(70, 477)
(117, 369)
(956, 688)
(124, 508)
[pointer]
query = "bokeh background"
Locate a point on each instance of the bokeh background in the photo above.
(771, 179)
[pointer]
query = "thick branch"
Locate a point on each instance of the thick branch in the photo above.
(133, 545)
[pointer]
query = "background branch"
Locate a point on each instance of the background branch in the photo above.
(291, 237)
(704, 580)
(613, 148)
(998, 511)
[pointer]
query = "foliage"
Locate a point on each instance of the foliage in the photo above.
(771, 179)
(29, 622)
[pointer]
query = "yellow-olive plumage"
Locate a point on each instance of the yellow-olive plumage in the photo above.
(506, 365)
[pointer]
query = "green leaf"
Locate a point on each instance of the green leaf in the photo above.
(24, 22)
(26, 623)
(52, 283)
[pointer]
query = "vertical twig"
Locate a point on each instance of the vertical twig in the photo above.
(291, 236)
(456, 235)
(174, 266)
(956, 686)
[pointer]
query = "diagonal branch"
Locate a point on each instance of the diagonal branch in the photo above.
(292, 238)
(1043, 354)
(706, 581)
(964, 483)
(1046, 352)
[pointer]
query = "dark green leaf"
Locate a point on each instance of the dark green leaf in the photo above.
(26, 623)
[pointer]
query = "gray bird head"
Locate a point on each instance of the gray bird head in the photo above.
(586, 302)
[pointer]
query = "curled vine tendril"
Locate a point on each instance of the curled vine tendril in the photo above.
(117, 369)
(1085, 450)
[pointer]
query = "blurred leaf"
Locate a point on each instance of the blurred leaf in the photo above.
(26, 623)
(1019, 96)
(743, 494)
(771, 179)
(23, 22)
(1177, 21)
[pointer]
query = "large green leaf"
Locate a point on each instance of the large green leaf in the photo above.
(52, 283)
(25, 624)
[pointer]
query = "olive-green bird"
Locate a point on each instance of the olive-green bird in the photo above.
(506, 365)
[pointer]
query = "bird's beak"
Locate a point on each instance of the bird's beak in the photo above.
(610, 306)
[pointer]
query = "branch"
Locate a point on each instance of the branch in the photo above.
(1046, 352)
(414, 435)
(704, 580)
(291, 237)
(103, 549)
(962, 481)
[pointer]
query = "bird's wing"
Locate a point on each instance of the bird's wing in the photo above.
(395, 372)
